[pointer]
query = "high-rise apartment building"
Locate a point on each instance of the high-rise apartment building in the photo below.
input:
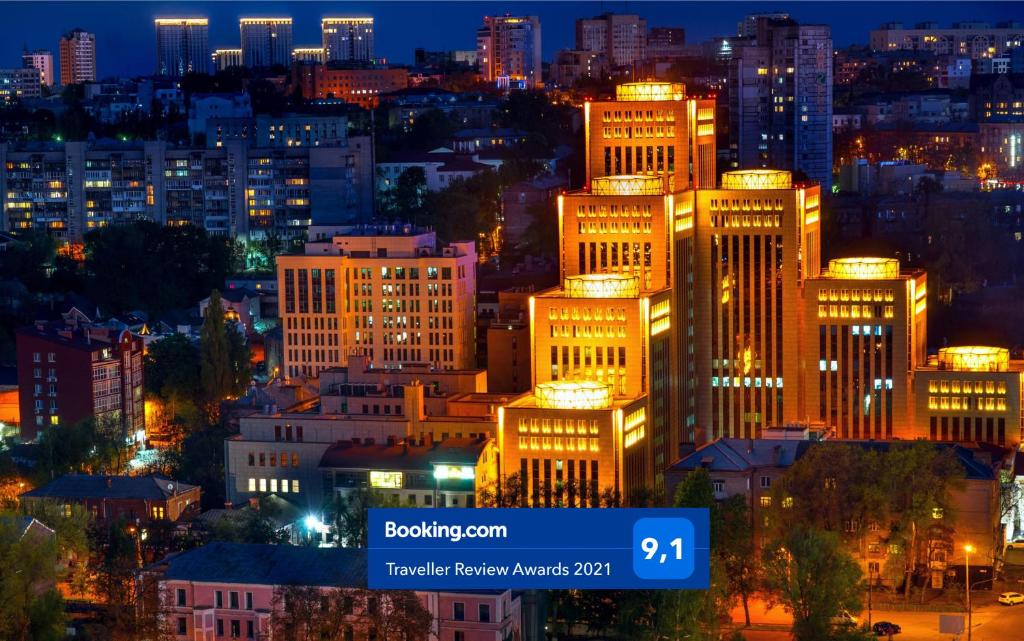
(623, 38)
(238, 188)
(864, 334)
(666, 42)
(508, 50)
(77, 57)
(312, 55)
(266, 41)
(780, 99)
(68, 374)
(41, 59)
(347, 39)
(387, 292)
(975, 40)
(225, 58)
(16, 84)
(743, 253)
(182, 46)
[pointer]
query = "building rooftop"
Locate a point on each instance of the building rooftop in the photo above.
(405, 456)
(739, 455)
(102, 486)
(247, 563)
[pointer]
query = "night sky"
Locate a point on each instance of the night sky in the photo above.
(126, 41)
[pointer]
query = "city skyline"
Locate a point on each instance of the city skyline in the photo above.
(398, 24)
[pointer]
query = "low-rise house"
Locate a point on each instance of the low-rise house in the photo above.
(136, 498)
(236, 590)
(239, 305)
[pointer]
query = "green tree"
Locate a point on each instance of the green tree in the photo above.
(808, 572)
(239, 361)
(349, 517)
(214, 357)
(200, 461)
(31, 609)
(92, 445)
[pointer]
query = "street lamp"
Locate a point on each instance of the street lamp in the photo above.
(967, 583)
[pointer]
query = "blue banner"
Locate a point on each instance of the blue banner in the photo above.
(538, 548)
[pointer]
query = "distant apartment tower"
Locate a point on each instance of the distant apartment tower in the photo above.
(77, 57)
(313, 55)
(41, 59)
(508, 50)
(266, 41)
(389, 293)
(665, 42)
(67, 374)
(780, 99)
(20, 83)
(182, 46)
(347, 38)
(972, 39)
(225, 58)
(864, 334)
(623, 37)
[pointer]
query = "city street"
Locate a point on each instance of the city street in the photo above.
(990, 623)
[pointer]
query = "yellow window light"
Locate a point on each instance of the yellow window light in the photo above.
(974, 358)
(627, 186)
(574, 395)
(650, 91)
(757, 179)
(864, 268)
(602, 286)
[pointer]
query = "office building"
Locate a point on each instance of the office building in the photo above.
(387, 292)
(651, 128)
(362, 87)
(969, 394)
(266, 41)
(77, 57)
(237, 189)
(569, 67)
(235, 589)
(780, 99)
(346, 39)
(864, 334)
(743, 253)
(975, 40)
(222, 59)
(311, 55)
(182, 46)
(41, 59)
(16, 84)
(623, 38)
(508, 51)
(68, 374)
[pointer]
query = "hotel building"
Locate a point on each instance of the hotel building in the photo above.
(969, 393)
(508, 50)
(864, 334)
(387, 292)
(77, 57)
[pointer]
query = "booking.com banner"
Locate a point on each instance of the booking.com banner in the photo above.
(461, 549)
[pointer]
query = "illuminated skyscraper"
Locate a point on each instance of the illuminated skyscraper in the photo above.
(266, 41)
(742, 258)
(347, 38)
(182, 46)
(226, 58)
(865, 331)
(41, 59)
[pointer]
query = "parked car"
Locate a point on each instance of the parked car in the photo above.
(1011, 598)
(1016, 544)
(845, 620)
(885, 628)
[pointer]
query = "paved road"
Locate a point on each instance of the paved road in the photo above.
(990, 623)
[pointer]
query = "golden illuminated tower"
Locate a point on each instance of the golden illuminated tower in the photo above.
(865, 330)
(749, 248)
(652, 128)
(969, 394)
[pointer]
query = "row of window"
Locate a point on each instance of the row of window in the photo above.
(967, 387)
(275, 485)
(856, 295)
(274, 459)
